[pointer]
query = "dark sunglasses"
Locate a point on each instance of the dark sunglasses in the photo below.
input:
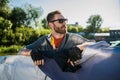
(59, 20)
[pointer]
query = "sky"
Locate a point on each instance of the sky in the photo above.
(79, 10)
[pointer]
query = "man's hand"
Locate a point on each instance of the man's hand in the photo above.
(74, 55)
(39, 62)
(37, 57)
(73, 63)
(26, 52)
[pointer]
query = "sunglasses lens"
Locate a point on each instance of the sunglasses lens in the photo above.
(62, 20)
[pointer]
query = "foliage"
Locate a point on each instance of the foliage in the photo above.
(5, 31)
(24, 35)
(17, 17)
(74, 29)
(106, 29)
(11, 50)
(3, 3)
(15, 24)
(27, 16)
(80, 28)
(8, 38)
(89, 37)
(5, 12)
(94, 24)
(44, 31)
(32, 14)
(5, 24)
(45, 24)
(4, 9)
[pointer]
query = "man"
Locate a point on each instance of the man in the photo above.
(65, 48)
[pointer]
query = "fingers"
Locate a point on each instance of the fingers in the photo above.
(77, 62)
(39, 62)
(73, 63)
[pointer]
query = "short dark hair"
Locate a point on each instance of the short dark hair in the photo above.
(50, 15)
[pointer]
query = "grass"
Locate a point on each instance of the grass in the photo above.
(10, 50)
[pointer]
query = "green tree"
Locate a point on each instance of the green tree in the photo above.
(94, 24)
(28, 16)
(72, 29)
(5, 29)
(80, 28)
(8, 37)
(25, 35)
(5, 24)
(4, 9)
(105, 29)
(17, 17)
(33, 14)
(13, 24)
(45, 24)
(3, 3)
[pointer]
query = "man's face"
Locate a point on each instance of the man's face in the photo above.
(59, 24)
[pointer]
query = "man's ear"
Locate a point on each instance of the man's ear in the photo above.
(50, 25)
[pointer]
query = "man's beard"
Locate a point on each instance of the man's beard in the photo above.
(60, 29)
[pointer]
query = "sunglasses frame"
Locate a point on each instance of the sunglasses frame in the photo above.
(59, 20)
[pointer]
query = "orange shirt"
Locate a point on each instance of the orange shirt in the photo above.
(56, 42)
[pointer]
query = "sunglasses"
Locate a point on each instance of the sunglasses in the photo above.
(59, 20)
